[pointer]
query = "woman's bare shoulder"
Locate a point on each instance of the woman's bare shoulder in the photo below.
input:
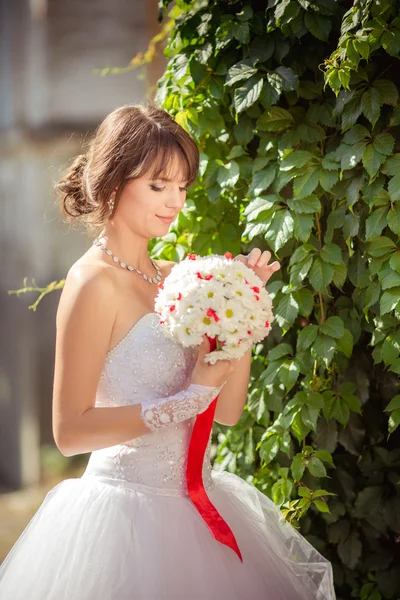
(166, 265)
(88, 280)
(90, 272)
(96, 276)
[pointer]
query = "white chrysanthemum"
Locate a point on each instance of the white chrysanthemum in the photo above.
(219, 297)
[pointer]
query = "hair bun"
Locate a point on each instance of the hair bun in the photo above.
(72, 189)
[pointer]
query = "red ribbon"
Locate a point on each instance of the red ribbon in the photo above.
(194, 475)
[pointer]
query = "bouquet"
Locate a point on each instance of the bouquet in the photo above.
(217, 296)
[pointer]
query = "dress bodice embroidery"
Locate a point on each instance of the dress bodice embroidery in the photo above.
(147, 364)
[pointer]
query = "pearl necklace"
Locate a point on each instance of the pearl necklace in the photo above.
(123, 264)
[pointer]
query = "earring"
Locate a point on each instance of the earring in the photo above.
(111, 204)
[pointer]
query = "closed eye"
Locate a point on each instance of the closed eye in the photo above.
(160, 189)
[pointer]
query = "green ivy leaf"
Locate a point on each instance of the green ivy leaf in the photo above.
(392, 279)
(289, 79)
(289, 373)
(395, 118)
(390, 350)
(336, 408)
(389, 300)
(345, 343)
(228, 174)
(248, 94)
(327, 179)
(391, 41)
(323, 349)
(279, 351)
(358, 270)
(370, 105)
(243, 130)
(362, 47)
(372, 294)
(305, 300)
(310, 204)
(394, 404)
(262, 180)
(261, 49)
(299, 271)
(297, 158)
(392, 165)
(307, 337)
(394, 421)
(356, 134)
(321, 274)
(381, 246)
(375, 223)
(339, 275)
(298, 466)
(240, 71)
(321, 505)
(384, 143)
(259, 205)
(331, 253)
(241, 31)
(309, 416)
(387, 91)
(269, 448)
(372, 160)
(280, 230)
(394, 188)
(316, 467)
(303, 224)
(305, 184)
(394, 262)
(333, 326)
(287, 310)
(276, 119)
(319, 26)
(350, 156)
(350, 550)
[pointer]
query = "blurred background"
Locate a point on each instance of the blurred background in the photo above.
(52, 95)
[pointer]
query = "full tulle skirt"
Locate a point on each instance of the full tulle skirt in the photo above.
(98, 538)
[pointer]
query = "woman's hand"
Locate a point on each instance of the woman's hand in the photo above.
(208, 374)
(258, 261)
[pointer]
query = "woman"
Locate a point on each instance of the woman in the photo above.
(129, 395)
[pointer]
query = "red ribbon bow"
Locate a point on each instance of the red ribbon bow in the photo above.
(194, 475)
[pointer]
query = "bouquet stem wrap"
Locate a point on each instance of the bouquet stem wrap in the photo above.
(194, 475)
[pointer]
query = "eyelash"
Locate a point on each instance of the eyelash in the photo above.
(157, 189)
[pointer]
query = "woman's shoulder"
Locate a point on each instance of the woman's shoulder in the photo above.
(166, 264)
(87, 289)
(86, 283)
(90, 272)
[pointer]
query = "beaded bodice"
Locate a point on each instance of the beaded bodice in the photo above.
(147, 364)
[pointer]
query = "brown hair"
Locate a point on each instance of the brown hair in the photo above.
(131, 141)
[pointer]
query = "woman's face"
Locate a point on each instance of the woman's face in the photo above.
(144, 201)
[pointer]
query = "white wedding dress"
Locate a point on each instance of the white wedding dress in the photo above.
(127, 529)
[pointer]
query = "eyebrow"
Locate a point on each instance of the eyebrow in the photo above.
(167, 179)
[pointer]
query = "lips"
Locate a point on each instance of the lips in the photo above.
(166, 219)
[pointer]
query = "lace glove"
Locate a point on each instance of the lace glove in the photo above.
(163, 412)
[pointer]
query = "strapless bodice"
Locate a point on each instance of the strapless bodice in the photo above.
(147, 364)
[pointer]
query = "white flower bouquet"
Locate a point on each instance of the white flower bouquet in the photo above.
(217, 296)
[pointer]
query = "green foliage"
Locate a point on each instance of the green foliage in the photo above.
(294, 105)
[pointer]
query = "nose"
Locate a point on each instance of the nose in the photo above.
(176, 200)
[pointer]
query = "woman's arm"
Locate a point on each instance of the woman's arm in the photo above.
(85, 319)
(84, 322)
(233, 396)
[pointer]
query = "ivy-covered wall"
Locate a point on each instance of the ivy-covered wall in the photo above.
(295, 107)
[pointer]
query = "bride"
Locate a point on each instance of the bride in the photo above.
(127, 394)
